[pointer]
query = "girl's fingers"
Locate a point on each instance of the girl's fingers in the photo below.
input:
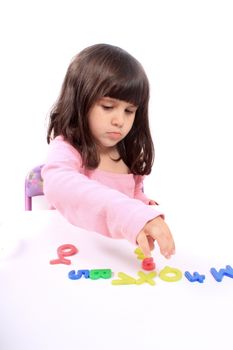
(167, 247)
(144, 244)
(151, 242)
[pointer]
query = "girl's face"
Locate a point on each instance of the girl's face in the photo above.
(110, 120)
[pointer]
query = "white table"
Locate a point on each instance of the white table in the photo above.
(42, 309)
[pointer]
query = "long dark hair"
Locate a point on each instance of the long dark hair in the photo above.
(98, 71)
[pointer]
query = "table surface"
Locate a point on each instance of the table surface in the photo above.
(41, 308)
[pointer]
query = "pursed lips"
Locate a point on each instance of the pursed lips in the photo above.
(114, 134)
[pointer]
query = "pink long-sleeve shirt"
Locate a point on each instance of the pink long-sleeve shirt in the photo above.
(109, 203)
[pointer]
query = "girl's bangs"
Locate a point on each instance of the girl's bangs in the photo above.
(135, 91)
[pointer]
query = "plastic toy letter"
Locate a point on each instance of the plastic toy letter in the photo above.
(148, 264)
(92, 274)
(195, 277)
(170, 274)
(62, 251)
(139, 253)
(146, 278)
(228, 271)
(124, 279)
(101, 273)
(76, 276)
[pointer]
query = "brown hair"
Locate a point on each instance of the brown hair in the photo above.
(98, 71)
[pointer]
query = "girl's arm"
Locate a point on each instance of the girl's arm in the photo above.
(154, 230)
(87, 203)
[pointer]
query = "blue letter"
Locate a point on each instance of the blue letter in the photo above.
(228, 271)
(195, 277)
(73, 276)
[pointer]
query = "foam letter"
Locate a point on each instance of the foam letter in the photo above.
(102, 273)
(148, 264)
(124, 279)
(196, 277)
(73, 276)
(139, 253)
(64, 250)
(146, 278)
(218, 275)
(166, 273)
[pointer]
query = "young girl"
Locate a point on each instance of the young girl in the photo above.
(101, 148)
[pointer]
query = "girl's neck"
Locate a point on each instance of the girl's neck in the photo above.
(109, 161)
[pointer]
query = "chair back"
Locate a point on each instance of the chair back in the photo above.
(33, 186)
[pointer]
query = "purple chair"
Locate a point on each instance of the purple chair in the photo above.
(33, 186)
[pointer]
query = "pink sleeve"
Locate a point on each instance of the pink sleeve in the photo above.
(88, 203)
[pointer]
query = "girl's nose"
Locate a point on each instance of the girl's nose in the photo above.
(118, 120)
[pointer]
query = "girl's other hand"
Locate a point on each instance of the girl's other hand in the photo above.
(152, 202)
(156, 230)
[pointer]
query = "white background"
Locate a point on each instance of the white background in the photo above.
(186, 50)
(42, 309)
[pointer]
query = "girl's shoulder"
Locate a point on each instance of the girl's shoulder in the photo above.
(59, 149)
(60, 142)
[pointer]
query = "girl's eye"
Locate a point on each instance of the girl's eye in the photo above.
(129, 111)
(107, 107)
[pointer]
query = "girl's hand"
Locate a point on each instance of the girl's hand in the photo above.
(158, 230)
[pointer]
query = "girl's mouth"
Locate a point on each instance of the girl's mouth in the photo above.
(114, 135)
